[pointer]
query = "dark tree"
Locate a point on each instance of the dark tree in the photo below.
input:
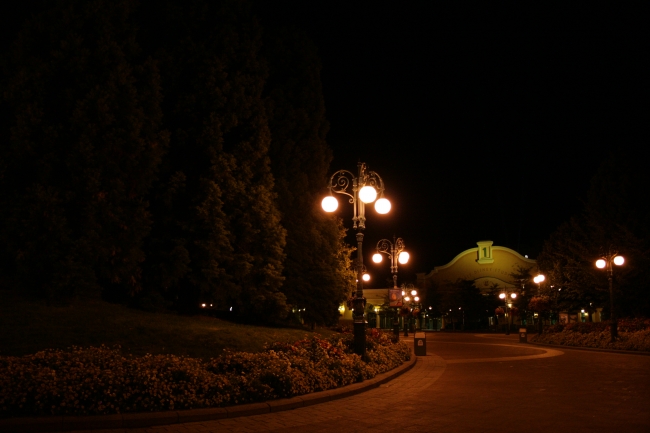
(616, 216)
(82, 141)
(317, 277)
(218, 235)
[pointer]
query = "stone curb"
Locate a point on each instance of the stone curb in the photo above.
(149, 419)
(592, 349)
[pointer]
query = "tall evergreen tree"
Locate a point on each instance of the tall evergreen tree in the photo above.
(218, 235)
(83, 147)
(317, 270)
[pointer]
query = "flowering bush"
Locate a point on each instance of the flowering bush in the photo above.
(100, 380)
(540, 304)
(633, 325)
(633, 334)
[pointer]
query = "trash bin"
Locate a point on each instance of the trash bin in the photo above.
(420, 344)
(523, 335)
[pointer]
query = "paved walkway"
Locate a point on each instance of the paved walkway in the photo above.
(475, 383)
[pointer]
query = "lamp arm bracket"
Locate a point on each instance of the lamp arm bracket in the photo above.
(341, 181)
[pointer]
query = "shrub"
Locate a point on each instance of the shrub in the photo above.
(587, 327)
(633, 334)
(100, 380)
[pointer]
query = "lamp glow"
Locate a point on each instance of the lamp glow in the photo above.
(368, 194)
(403, 257)
(600, 263)
(376, 258)
(366, 277)
(329, 204)
(502, 296)
(619, 260)
(382, 206)
(513, 295)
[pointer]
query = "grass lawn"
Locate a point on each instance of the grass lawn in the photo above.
(27, 327)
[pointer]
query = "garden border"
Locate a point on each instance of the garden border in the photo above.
(149, 419)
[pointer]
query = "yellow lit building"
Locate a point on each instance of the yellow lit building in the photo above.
(487, 265)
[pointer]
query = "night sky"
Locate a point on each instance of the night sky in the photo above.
(485, 122)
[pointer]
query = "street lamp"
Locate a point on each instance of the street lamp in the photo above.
(605, 262)
(410, 296)
(394, 250)
(361, 188)
(539, 279)
(508, 297)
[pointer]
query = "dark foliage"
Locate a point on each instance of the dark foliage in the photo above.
(164, 154)
(81, 145)
(616, 218)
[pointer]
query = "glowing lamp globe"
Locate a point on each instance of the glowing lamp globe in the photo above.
(416, 299)
(513, 295)
(403, 257)
(502, 296)
(382, 206)
(619, 260)
(366, 277)
(601, 263)
(414, 292)
(368, 194)
(329, 204)
(376, 258)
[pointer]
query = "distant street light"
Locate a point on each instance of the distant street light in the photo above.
(411, 298)
(394, 250)
(361, 188)
(508, 297)
(605, 262)
(539, 279)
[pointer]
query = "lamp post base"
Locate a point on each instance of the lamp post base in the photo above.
(360, 338)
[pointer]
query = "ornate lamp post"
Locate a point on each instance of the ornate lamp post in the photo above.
(394, 250)
(508, 297)
(605, 262)
(361, 188)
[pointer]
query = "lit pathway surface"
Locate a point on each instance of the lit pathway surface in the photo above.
(477, 383)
